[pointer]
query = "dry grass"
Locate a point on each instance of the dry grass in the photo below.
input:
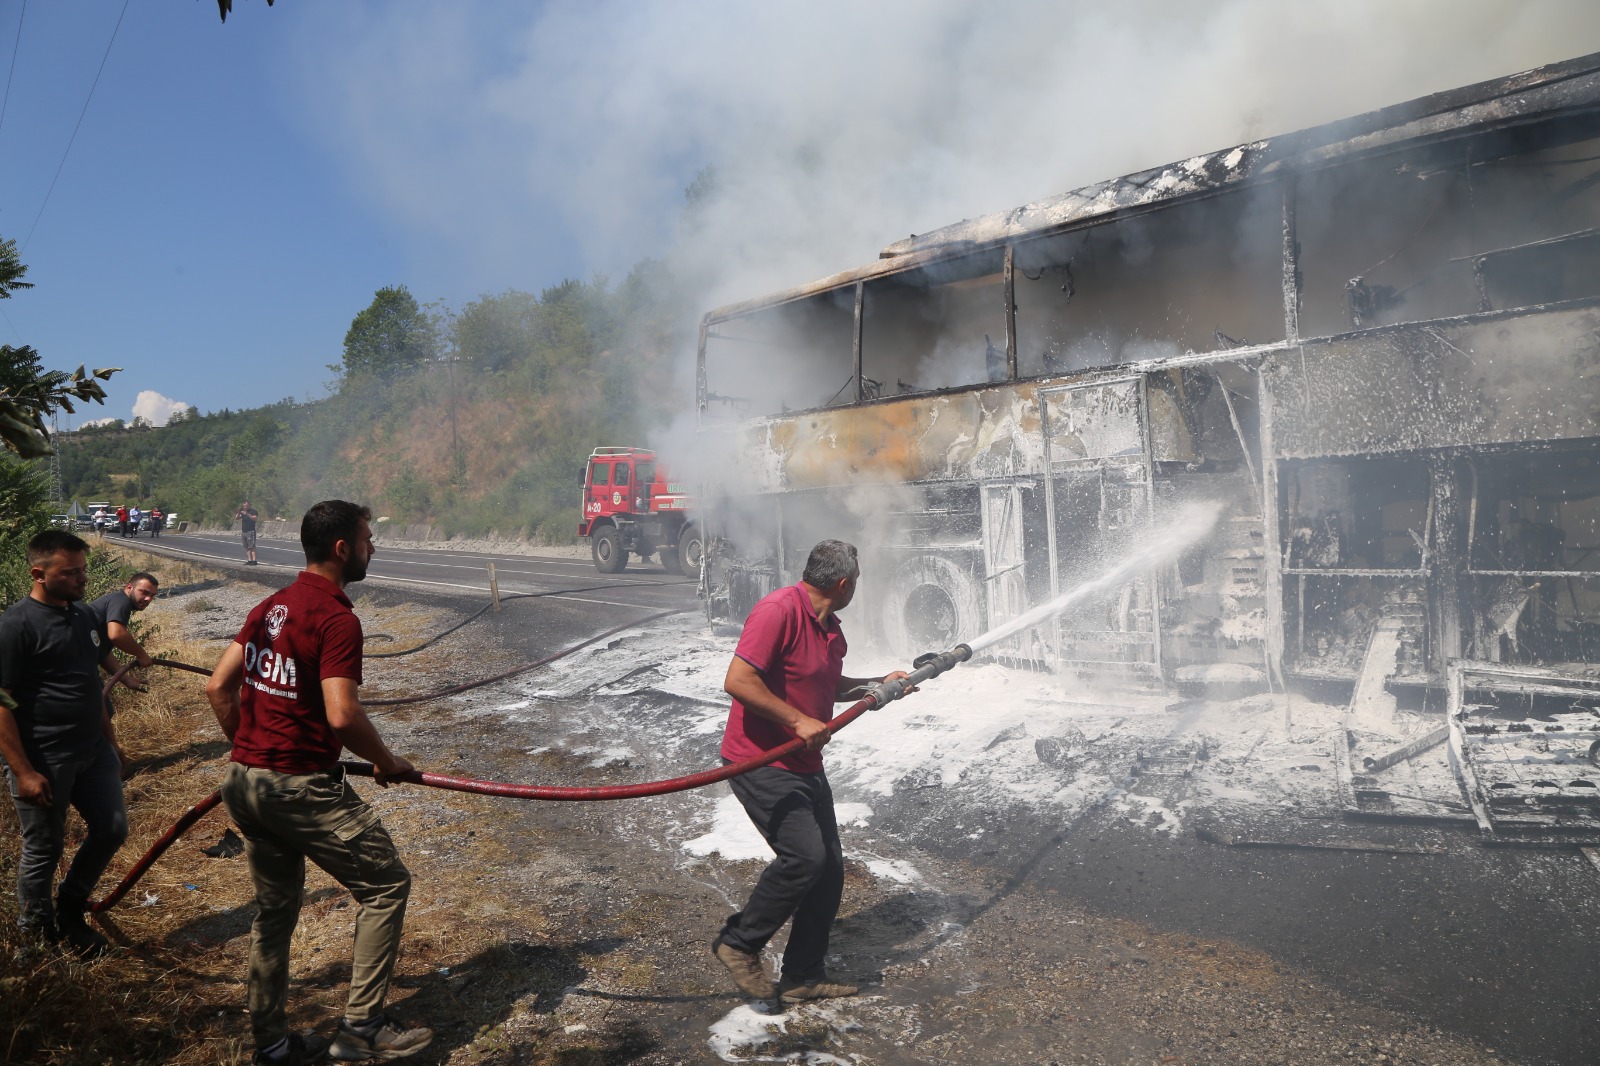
(173, 990)
(156, 999)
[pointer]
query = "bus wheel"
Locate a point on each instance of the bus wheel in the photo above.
(931, 604)
(610, 557)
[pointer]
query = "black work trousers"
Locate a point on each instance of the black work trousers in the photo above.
(794, 812)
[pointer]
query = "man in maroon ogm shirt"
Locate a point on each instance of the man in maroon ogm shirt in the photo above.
(786, 675)
(285, 694)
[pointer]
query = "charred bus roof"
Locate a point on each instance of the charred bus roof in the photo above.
(1529, 96)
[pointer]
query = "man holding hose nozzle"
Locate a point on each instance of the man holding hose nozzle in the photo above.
(285, 694)
(786, 675)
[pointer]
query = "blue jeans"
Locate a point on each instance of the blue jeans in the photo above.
(92, 783)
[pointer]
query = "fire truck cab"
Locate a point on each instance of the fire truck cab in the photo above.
(630, 506)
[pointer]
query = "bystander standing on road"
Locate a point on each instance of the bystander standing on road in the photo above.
(115, 610)
(59, 744)
(285, 693)
(247, 531)
(122, 521)
(786, 675)
(158, 518)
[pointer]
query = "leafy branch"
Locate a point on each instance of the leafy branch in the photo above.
(25, 400)
(29, 392)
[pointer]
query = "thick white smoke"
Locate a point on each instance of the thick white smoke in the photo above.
(556, 139)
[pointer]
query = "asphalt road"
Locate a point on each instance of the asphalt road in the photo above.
(642, 585)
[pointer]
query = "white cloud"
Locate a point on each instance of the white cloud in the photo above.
(91, 423)
(155, 408)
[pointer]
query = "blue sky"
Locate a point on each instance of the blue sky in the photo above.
(238, 191)
(204, 234)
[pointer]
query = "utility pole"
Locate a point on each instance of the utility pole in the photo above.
(450, 370)
(55, 463)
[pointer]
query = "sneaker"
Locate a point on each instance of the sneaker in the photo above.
(748, 973)
(824, 987)
(85, 941)
(390, 1039)
(302, 1050)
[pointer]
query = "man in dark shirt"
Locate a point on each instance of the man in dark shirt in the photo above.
(114, 610)
(247, 531)
(285, 694)
(58, 743)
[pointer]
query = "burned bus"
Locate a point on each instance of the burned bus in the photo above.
(1378, 341)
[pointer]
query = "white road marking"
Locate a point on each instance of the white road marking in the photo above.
(553, 593)
(392, 553)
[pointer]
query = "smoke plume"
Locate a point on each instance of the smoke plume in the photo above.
(836, 128)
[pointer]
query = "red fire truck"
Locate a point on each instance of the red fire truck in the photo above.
(629, 505)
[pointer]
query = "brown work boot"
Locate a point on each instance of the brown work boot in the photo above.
(748, 973)
(824, 987)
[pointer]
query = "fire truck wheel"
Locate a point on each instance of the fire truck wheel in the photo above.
(610, 557)
(932, 603)
(691, 552)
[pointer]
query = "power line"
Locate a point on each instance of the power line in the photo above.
(11, 324)
(74, 136)
(13, 69)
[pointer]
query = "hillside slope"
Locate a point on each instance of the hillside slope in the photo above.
(488, 438)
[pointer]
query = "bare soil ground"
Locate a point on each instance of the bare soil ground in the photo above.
(578, 933)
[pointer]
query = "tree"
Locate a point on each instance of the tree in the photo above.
(495, 332)
(24, 510)
(391, 335)
(29, 392)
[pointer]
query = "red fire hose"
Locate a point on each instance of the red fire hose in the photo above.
(877, 695)
(158, 849)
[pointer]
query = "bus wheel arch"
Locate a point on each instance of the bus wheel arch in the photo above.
(931, 603)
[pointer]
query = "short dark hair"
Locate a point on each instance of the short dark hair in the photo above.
(829, 563)
(142, 576)
(327, 523)
(44, 545)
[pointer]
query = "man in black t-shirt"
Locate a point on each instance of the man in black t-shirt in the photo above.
(59, 746)
(247, 531)
(114, 610)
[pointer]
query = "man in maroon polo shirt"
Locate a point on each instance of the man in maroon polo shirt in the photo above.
(285, 694)
(786, 675)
